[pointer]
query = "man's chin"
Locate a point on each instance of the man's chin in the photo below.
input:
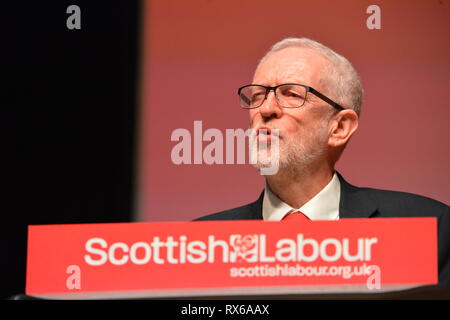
(262, 165)
(266, 168)
(283, 164)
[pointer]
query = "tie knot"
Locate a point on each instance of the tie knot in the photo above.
(296, 216)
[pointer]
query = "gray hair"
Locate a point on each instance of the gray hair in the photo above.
(339, 78)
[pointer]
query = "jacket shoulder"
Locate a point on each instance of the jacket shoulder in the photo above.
(407, 203)
(232, 214)
(251, 211)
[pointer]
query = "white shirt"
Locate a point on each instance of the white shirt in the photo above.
(323, 206)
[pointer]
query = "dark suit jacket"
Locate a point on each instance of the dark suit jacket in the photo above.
(358, 202)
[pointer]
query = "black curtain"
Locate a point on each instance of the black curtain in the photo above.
(68, 120)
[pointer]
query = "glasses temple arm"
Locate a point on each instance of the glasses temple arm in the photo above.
(326, 99)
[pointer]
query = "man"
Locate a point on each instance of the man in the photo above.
(312, 97)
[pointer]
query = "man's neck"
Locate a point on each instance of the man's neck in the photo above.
(297, 188)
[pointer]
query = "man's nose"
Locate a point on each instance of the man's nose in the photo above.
(270, 108)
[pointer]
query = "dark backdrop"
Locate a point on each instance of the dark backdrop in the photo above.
(68, 113)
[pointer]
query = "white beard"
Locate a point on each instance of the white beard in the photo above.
(296, 154)
(265, 155)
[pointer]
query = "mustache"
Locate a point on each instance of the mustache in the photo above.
(262, 127)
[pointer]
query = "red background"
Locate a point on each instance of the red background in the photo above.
(210, 48)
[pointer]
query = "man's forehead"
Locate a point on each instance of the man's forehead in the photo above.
(282, 69)
(290, 64)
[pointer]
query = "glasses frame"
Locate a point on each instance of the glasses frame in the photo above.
(308, 89)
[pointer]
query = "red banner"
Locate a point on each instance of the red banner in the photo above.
(230, 257)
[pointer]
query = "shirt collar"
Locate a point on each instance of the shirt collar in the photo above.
(323, 206)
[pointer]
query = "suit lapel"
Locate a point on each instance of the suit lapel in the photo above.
(254, 210)
(355, 202)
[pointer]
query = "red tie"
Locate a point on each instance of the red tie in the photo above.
(296, 216)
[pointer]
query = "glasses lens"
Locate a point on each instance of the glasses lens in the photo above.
(252, 96)
(291, 95)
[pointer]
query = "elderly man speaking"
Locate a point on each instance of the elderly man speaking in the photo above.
(311, 96)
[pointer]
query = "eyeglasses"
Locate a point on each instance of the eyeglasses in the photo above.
(288, 95)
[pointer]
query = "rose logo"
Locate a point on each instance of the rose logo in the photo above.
(244, 246)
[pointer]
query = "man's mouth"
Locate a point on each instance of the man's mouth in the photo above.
(267, 134)
(268, 131)
(264, 131)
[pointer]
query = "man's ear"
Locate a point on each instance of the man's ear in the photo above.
(343, 125)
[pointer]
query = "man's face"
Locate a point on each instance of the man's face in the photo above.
(303, 132)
